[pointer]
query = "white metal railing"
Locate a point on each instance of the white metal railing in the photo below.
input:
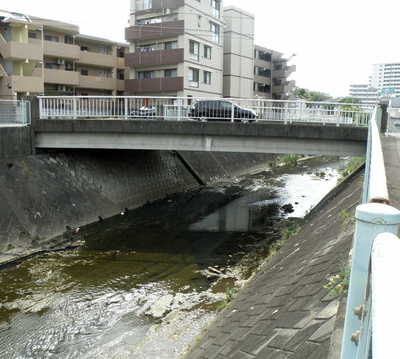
(13, 112)
(372, 310)
(375, 185)
(204, 109)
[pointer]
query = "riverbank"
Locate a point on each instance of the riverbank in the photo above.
(44, 198)
(288, 310)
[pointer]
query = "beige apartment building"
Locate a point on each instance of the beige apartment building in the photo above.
(176, 48)
(41, 56)
(271, 74)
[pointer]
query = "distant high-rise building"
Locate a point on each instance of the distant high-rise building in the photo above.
(386, 76)
(364, 93)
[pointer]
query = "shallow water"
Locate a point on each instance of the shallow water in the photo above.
(146, 283)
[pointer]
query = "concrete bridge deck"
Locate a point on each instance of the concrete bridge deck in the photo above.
(261, 137)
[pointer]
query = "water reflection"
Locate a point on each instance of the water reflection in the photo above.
(246, 214)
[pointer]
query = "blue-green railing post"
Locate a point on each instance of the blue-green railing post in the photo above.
(371, 220)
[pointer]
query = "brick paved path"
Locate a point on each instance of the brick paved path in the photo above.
(391, 152)
(285, 312)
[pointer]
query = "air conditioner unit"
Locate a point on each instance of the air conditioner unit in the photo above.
(60, 61)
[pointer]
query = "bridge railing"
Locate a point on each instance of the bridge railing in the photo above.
(375, 253)
(189, 109)
(14, 113)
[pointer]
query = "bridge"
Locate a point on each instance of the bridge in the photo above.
(173, 124)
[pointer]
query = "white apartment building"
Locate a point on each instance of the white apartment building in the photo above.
(364, 93)
(386, 76)
(176, 48)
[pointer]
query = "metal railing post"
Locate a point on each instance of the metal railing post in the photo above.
(232, 113)
(371, 220)
(367, 167)
(74, 108)
(126, 115)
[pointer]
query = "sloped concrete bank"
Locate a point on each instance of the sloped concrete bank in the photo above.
(44, 198)
(287, 311)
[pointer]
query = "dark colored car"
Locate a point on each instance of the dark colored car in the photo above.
(220, 110)
(144, 112)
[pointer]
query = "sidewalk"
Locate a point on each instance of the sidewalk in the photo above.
(391, 153)
(285, 312)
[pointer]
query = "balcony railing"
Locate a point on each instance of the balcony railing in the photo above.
(61, 77)
(155, 31)
(155, 58)
(62, 50)
(95, 82)
(97, 59)
(164, 84)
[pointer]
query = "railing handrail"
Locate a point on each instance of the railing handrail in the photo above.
(233, 99)
(376, 187)
(385, 269)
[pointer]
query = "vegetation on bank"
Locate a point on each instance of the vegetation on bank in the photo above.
(351, 167)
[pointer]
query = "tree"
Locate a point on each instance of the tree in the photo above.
(312, 96)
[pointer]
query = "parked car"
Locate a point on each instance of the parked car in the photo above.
(221, 110)
(144, 112)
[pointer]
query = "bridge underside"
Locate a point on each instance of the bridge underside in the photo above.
(217, 137)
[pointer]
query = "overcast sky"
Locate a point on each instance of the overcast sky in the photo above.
(336, 42)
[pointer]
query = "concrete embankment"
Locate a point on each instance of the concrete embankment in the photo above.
(286, 311)
(48, 195)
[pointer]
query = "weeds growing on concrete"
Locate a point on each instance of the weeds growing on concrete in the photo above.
(347, 217)
(352, 166)
(290, 160)
(338, 284)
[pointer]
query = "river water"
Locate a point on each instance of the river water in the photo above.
(145, 283)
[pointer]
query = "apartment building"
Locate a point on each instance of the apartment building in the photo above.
(176, 48)
(386, 76)
(238, 53)
(271, 74)
(42, 56)
(364, 93)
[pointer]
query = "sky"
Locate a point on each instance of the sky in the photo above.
(335, 42)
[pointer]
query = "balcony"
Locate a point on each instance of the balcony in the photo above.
(164, 84)
(20, 50)
(97, 59)
(61, 77)
(158, 6)
(155, 58)
(99, 83)
(262, 79)
(61, 50)
(120, 85)
(155, 31)
(32, 84)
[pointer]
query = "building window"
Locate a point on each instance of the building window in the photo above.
(142, 75)
(171, 73)
(155, 20)
(32, 35)
(216, 5)
(194, 75)
(215, 31)
(68, 39)
(84, 72)
(207, 52)
(207, 77)
(170, 45)
(143, 5)
(51, 38)
(194, 49)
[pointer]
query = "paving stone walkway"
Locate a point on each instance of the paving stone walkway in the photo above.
(391, 153)
(285, 311)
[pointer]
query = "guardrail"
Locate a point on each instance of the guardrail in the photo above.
(203, 109)
(377, 227)
(13, 112)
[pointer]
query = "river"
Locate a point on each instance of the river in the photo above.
(145, 283)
